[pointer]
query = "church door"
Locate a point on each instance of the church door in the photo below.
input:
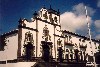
(28, 51)
(60, 54)
(46, 52)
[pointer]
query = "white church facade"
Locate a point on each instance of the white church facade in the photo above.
(42, 39)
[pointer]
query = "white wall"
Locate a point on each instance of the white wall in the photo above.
(12, 46)
(10, 51)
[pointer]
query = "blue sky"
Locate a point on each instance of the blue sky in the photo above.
(12, 10)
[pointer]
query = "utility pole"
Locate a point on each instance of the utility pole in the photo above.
(89, 31)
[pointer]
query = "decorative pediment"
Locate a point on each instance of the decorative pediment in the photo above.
(49, 15)
(29, 37)
(46, 35)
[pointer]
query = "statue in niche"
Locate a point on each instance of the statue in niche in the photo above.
(45, 16)
(46, 35)
(59, 42)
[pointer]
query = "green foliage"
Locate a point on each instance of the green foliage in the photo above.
(2, 43)
(99, 47)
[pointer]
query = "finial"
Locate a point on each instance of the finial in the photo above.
(20, 20)
(58, 10)
(50, 7)
(44, 7)
(35, 14)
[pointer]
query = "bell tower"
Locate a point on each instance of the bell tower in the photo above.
(48, 26)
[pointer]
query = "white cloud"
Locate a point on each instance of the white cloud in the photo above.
(98, 36)
(98, 3)
(80, 9)
(97, 25)
(76, 20)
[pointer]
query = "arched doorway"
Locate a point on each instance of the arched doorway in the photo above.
(46, 50)
(29, 48)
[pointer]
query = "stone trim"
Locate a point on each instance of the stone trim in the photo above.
(9, 33)
(20, 26)
(69, 44)
(47, 22)
(86, 38)
(58, 36)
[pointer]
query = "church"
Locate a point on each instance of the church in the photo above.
(42, 40)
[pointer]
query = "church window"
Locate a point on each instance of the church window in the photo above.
(55, 19)
(80, 39)
(45, 16)
(50, 17)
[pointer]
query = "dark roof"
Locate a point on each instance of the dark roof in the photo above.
(84, 37)
(9, 33)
